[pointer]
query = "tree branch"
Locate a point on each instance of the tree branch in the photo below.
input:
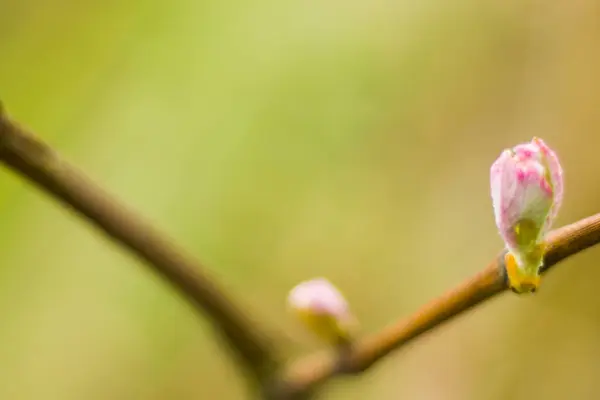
(38, 163)
(306, 375)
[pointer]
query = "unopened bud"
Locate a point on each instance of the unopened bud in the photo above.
(527, 191)
(323, 310)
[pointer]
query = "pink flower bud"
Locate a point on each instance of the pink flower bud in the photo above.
(527, 190)
(322, 309)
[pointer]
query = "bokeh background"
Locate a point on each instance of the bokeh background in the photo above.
(284, 140)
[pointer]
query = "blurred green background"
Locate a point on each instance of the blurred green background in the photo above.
(283, 140)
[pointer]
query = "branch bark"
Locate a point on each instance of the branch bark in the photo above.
(306, 375)
(41, 165)
(35, 161)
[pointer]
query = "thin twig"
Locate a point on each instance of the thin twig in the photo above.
(41, 165)
(307, 374)
(37, 162)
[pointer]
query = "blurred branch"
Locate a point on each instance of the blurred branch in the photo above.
(306, 375)
(40, 164)
(37, 162)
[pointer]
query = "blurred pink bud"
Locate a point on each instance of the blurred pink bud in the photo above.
(322, 309)
(319, 296)
(527, 191)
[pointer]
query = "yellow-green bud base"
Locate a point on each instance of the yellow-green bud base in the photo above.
(520, 280)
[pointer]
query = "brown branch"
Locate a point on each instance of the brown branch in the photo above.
(306, 375)
(38, 163)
